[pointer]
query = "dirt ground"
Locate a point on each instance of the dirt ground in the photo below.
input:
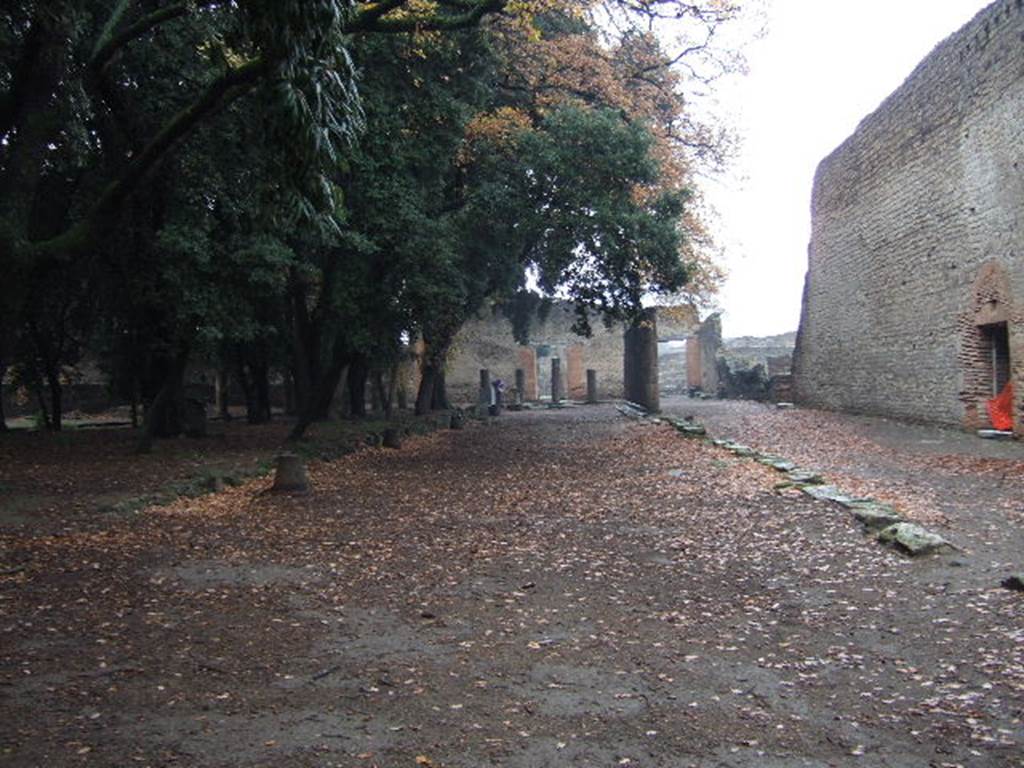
(56, 480)
(553, 588)
(85, 477)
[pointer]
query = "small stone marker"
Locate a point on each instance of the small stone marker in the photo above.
(458, 420)
(392, 438)
(290, 474)
(591, 386)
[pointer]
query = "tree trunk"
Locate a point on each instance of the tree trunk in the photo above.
(403, 395)
(224, 393)
(425, 395)
(383, 393)
(44, 412)
(439, 402)
(248, 389)
(165, 416)
(261, 384)
(56, 400)
(344, 409)
(305, 345)
(376, 398)
(3, 417)
(136, 398)
(358, 372)
(389, 396)
(290, 408)
(318, 404)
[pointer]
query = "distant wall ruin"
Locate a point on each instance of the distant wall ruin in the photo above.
(487, 342)
(701, 356)
(914, 297)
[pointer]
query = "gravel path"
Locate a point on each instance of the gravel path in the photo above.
(557, 588)
(969, 489)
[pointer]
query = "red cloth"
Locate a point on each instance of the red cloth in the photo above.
(1000, 409)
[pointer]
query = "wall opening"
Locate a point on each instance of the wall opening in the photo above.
(987, 364)
(995, 339)
(672, 367)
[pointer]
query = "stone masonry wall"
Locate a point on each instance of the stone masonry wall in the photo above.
(487, 342)
(918, 239)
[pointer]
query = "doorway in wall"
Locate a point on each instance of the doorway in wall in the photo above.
(996, 340)
(672, 367)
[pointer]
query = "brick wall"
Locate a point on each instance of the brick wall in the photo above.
(702, 351)
(918, 238)
(487, 342)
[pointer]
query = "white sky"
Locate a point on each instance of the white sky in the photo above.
(822, 66)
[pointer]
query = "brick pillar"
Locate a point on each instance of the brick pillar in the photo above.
(641, 361)
(528, 362)
(575, 382)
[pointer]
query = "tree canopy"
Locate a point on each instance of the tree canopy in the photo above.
(306, 186)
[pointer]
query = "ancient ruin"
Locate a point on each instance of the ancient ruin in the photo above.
(914, 297)
(487, 342)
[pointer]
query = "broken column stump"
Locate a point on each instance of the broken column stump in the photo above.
(591, 386)
(556, 380)
(290, 474)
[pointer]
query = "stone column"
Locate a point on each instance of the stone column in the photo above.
(641, 361)
(591, 386)
(556, 380)
(520, 386)
(484, 397)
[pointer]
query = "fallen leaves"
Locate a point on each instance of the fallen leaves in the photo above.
(558, 583)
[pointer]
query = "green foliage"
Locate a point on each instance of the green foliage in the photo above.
(274, 184)
(597, 232)
(521, 309)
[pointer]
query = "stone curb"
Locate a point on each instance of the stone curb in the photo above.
(878, 518)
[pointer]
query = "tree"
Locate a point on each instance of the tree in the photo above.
(77, 86)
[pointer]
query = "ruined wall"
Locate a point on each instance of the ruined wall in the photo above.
(701, 356)
(912, 217)
(487, 342)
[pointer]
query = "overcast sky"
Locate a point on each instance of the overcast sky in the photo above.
(821, 67)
